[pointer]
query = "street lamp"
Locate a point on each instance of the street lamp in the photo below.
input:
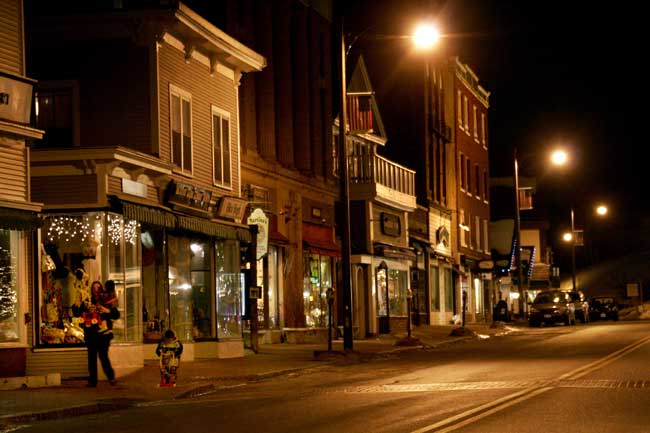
(600, 210)
(557, 157)
(425, 37)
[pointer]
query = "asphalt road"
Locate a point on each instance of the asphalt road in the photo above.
(592, 378)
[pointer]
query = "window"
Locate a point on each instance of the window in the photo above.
(318, 279)
(221, 147)
(465, 114)
(435, 288)
(181, 124)
(462, 172)
(486, 247)
(477, 182)
(477, 233)
(485, 186)
(460, 110)
(483, 132)
(475, 123)
(449, 291)
(56, 110)
(463, 228)
(13, 272)
(468, 173)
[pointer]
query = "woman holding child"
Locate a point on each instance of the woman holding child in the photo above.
(97, 315)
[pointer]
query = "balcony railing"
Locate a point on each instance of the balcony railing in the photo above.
(373, 176)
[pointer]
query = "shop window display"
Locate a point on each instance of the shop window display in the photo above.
(267, 306)
(318, 278)
(83, 248)
(10, 250)
(229, 287)
(180, 288)
(155, 299)
(202, 303)
(397, 288)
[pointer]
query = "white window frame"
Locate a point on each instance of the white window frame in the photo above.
(483, 135)
(466, 114)
(223, 115)
(187, 96)
(475, 109)
(460, 110)
(463, 231)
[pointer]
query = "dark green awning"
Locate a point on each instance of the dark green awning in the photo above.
(210, 228)
(18, 219)
(148, 215)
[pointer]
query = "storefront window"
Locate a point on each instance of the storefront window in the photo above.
(435, 288)
(449, 291)
(478, 299)
(229, 287)
(382, 294)
(318, 278)
(180, 288)
(272, 289)
(123, 251)
(155, 284)
(202, 303)
(83, 248)
(10, 251)
(397, 287)
(74, 244)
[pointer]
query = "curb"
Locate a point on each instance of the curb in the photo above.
(85, 409)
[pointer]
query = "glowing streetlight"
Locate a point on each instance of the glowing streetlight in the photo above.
(559, 157)
(426, 36)
(567, 237)
(601, 210)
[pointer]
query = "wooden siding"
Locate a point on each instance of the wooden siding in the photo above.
(13, 170)
(218, 90)
(59, 190)
(11, 36)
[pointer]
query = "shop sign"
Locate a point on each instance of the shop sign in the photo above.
(232, 208)
(15, 100)
(486, 265)
(632, 290)
(390, 224)
(189, 197)
(262, 221)
(134, 188)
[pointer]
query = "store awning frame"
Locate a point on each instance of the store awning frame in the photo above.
(18, 219)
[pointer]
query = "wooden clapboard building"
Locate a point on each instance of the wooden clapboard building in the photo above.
(18, 213)
(140, 175)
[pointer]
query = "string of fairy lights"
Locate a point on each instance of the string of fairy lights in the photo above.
(83, 227)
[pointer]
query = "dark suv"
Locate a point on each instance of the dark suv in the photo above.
(551, 306)
(603, 308)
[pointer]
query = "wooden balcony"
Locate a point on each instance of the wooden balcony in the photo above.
(373, 177)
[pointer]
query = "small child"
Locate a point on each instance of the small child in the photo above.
(169, 350)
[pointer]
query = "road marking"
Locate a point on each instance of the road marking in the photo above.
(586, 369)
(498, 405)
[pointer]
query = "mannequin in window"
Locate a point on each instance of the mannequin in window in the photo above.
(92, 260)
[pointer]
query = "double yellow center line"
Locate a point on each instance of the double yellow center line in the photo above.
(470, 416)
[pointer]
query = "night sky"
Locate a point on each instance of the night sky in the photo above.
(560, 73)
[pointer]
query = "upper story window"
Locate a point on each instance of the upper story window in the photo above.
(475, 120)
(463, 178)
(57, 113)
(483, 132)
(181, 124)
(466, 114)
(485, 186)
(221, 148)
(468, 179)
(477, 181)
(459, 113)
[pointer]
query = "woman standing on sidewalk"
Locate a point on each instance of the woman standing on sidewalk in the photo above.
(98, 330)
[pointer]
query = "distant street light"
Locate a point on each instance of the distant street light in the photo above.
(425, 37)
(576, 240)
(558, 157)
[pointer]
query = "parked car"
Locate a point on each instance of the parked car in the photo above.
(581, 306)
(551, 307)
(603, 308)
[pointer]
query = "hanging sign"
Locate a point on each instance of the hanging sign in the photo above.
(262, 221)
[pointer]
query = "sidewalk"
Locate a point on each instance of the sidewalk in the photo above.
(202, 377)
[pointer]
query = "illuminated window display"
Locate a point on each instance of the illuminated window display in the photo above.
(391, 292)
(318, 278)
(94, 246)
(155, 288)
(11, 248)
(267, 279)
(229, 287)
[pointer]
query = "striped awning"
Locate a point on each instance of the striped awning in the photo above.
(213, 229)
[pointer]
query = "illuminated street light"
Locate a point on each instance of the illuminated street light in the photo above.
(567, 237)
(425, 37)
(601, 210)
(557, 157)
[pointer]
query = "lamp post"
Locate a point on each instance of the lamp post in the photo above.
(558, 157)
(425, 37)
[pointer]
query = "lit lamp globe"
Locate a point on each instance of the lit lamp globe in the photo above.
(426, 36)
(559, 157)
(567, 237)
(601, 210)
